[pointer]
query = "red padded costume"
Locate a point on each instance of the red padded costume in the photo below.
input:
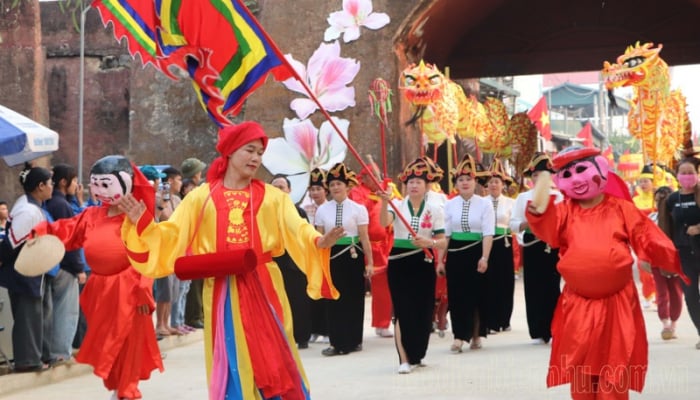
(598, 327)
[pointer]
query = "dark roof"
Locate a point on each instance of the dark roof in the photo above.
(478, 38)
(579, 101)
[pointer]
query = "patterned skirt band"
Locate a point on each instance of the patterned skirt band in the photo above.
(470, 239)
(351, 243)
(404, 244)
(502, 233)
(529, 239)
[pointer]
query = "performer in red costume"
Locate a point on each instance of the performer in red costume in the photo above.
(381, 239)
(120, 342)
(599, 339)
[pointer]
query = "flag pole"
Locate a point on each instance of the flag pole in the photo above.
(325, 113)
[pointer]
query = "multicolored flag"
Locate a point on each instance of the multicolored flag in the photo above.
(539, 115)
(135, 20)
(219, 43)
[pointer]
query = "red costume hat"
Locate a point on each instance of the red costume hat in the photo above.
(232, 138)
(571, 154)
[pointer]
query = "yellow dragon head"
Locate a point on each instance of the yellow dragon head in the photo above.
(423, 84)
(634, 67)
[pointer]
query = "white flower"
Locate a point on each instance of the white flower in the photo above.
(304, 148)
(327, 76)
(356, 13)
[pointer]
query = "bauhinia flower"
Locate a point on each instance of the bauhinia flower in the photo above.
(356, 13)
(327, 76)
(304, 148)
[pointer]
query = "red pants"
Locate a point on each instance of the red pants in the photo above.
(441, 306)
(517, 254)
(381, 299)
(648, 286)
(669, 296)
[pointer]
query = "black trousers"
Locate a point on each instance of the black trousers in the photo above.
(500, 283)
(690, 261)
(194, 313)
(300, 303)
(346, 315)
(542, 285)
(32, 321)
(412, 288)
(466, 290)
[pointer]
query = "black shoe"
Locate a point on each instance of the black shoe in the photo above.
(332, 351)
(32, 368)
(357, 348)
(197, 325)
(303, 345)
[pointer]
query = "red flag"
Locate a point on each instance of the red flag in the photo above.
(539, 115)
(586, 134)
(608, 154)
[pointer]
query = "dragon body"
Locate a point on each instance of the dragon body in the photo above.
(657, 115)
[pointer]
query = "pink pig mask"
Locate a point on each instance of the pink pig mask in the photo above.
(583, 179)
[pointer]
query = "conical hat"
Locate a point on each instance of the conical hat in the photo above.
(498, 170)
(38, 256)
(540, 162)
(424, 168)
(317, 177)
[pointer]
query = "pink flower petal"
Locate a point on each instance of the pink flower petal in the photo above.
(301, 136)
(317, 61)
(332, 33)
(280, 158)
(303, 107)
(351, 33)
(338, 100)
(376, 20)
(291, 83)
(337, 73)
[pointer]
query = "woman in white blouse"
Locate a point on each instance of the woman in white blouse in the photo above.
(469, 226)
(541, 280)
(28, 299)
(500, 278)
(348, 268)
(411, 269)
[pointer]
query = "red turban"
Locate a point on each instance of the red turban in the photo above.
(232, 138)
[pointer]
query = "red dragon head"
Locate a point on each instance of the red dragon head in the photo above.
(633, 67)
(422, 84)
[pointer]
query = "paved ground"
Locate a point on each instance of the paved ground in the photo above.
(508, 367)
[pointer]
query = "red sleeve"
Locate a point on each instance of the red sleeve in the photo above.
(649, 242)
(71, 231)
(548, 225)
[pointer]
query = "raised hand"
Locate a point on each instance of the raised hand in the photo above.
(332, 236)
(131, 207)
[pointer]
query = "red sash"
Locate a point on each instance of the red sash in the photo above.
(274, 369)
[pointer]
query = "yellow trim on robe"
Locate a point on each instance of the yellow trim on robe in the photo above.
(281, 228)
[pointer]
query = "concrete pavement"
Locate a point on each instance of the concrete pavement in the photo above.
(509, 366)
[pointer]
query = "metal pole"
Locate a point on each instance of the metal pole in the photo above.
(81, 95)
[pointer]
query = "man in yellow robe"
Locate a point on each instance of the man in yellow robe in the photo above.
(249, 343)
